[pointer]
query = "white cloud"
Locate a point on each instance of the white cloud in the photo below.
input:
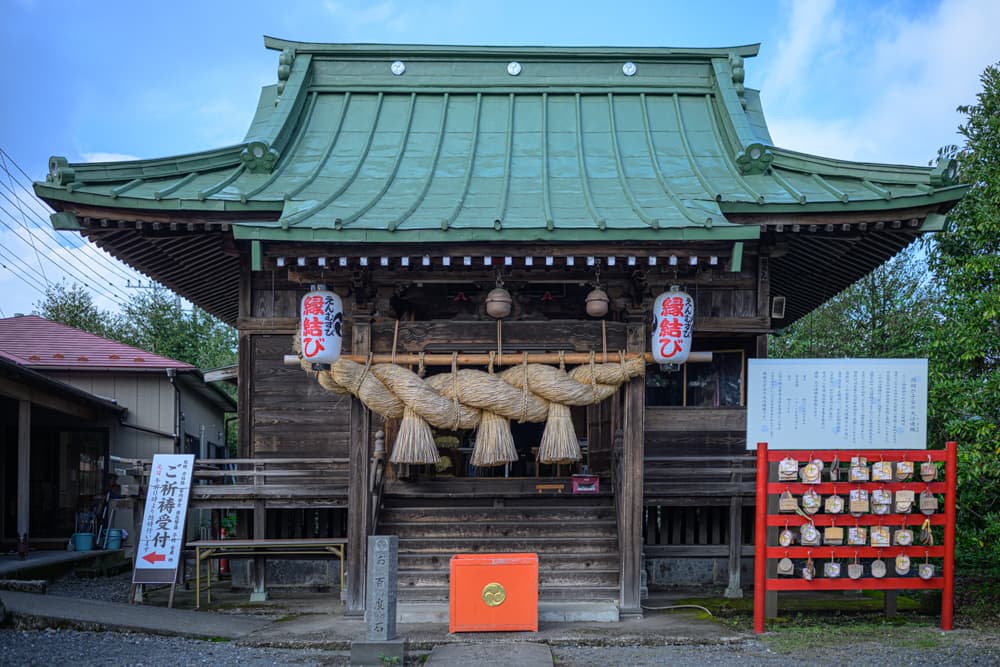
(356, 16)
(108, 157)
(811, 30)
(907, 74)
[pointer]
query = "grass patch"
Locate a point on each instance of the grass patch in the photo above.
(824, 608)
(797, 634)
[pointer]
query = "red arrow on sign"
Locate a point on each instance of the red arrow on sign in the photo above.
(154, 557)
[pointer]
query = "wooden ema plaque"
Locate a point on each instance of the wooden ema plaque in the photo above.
(887, 567)
(493, 592)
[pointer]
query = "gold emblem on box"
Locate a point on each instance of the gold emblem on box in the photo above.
(494, 595)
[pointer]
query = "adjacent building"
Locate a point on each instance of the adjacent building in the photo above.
(71, 403)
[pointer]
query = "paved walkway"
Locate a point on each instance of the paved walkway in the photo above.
(11, 564)
(317, 621)
(521, 654)
(38, 609)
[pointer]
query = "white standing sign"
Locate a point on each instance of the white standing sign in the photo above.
(162, 536)
(837, 403)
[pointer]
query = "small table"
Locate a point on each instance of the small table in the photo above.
(260, 551)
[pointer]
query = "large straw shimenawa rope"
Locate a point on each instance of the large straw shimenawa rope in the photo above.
(467, 398)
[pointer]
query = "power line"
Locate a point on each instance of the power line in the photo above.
(50, 233)
(43, 225)
(36, 208)
(8, 257)
(34, 203)
(80, 274)
(10, 179)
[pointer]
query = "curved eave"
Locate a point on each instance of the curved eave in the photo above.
(948, 195)
(59, 197)
(875, 171)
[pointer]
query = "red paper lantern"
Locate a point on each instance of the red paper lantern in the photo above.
(673, 322)
(321, 326)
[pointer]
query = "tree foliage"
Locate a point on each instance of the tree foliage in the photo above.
(887, 314)
(72, 304)
(151, 320)
(953, 320)
(965, 354)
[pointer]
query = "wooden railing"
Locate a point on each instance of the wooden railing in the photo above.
(281, 483)
(695, 509)
(698, 480)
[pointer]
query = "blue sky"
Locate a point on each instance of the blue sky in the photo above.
(869, 81)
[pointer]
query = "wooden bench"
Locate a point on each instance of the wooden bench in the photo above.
(260, 551)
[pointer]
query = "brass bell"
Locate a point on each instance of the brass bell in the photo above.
(498, 303)
(597, 303)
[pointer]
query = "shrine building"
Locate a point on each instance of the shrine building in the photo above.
(484, 217)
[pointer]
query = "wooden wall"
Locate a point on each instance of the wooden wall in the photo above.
(283, 411)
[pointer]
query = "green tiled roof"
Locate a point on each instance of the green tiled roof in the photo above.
(455, 148)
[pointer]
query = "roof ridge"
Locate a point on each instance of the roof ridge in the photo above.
(368, 49)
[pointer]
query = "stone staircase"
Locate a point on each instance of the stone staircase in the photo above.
(575, 537)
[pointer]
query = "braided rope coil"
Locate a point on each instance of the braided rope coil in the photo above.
(467, 398)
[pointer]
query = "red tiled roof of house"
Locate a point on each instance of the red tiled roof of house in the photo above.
(36, 342)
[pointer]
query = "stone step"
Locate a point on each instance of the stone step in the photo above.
(549, 611)
(546, 579)
(442, 593)
(546, 561)
(480, 530)
(541, 544)
(486, 514)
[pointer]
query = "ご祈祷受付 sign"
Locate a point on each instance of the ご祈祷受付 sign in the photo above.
(162, 534)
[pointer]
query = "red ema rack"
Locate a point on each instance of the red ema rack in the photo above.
(765, 519)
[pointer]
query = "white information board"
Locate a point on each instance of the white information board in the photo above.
(162, 536)
(837, 403)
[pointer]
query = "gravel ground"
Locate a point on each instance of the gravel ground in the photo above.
(50, 647)
(99, 649)
(752, 652)
(105, 589)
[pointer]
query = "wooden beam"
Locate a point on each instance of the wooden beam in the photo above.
(764, 290)
(21, 392)
(244, 405)
(23, 466)
(358, 504)
(512, 358)
(227, 374)
(631, 502)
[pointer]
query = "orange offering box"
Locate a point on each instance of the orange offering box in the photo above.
(494, 592)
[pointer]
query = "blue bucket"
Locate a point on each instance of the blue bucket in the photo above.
(114, 539)
(83, 541)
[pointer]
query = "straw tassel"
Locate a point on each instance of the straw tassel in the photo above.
(494, 442)
(415, 442)
(559, 443)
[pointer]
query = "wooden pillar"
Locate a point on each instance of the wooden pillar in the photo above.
(735, 587)
(244, 372)
(23, 466)
(358, 498)
(630, 502)
(764, 290)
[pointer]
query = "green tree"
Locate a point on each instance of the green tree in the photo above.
(887, 314)
(71, 304)
(150, 320)
(965, 354)
(155, 322)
